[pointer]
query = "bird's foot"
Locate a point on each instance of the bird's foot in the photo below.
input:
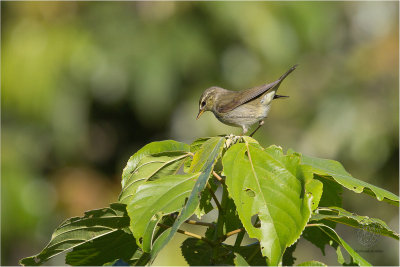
(231, 140)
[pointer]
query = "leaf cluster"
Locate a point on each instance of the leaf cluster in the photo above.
(266, 194)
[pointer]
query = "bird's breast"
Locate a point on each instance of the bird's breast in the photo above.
(246, 114)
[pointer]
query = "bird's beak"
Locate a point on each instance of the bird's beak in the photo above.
(198, 115)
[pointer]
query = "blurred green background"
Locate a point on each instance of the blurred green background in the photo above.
(86, 84)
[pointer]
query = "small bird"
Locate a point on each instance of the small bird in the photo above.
(241, 108)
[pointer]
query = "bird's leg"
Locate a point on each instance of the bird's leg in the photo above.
(260, 123)
(245, 129)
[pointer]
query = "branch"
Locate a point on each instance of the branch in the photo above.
(188, 234)
(214, 197)
(200, 223)
(218, 177)
(174, 216)
(234, 232)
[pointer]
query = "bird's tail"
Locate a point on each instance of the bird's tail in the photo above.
(280, 96)
(276, 84)
(287, 73)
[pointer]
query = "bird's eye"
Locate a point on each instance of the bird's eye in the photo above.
(203, 104)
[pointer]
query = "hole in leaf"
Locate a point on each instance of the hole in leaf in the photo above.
(354, 187)
(140, 239)
(250, 192)
(255, 221)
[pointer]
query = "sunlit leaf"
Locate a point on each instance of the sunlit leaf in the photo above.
(155, 199)
(334, 170)
(203, 162)
(153, 161)
(270, 186)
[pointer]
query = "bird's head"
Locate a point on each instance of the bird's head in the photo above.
(206, 101)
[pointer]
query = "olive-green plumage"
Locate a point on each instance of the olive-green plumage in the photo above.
(241, 108)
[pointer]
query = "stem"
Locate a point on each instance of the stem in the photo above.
(313, 224)
(214, 197)
(239, 238)
(218, 177)
(221, 214)
(234, 232)
(200, 223)
(188, 233)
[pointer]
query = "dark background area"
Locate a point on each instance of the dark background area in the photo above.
(87, 84)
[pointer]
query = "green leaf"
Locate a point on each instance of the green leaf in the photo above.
(356, 258)
(232, 221)
(194, 147)
(312, 263)
(197, 252)
(288, 259)
(205, 198)
(317, 237)
(155, 199)
(331, 196)
(342, 216)
(239, 260)
(269, 185)
(332, 193)
(108, 248)
(208, 154)
(203, 161)
(334, 170)
(251, 253)
(155, 160)
(79, 231)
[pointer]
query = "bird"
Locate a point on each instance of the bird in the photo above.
(241, 108)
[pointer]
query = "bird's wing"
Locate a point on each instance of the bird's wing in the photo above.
(249, 94)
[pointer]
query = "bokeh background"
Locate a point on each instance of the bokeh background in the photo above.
(86, 84)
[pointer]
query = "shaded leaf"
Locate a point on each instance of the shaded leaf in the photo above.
(334, 170)
(342, 216)
(317, 237)
(108, 248)
(269, 185)
(288, 259)
(332, 193)
(199, 253)
(155, 199)
(356, 258)
(232, 221)
(153, 161)
(82, 230)
(252, 254)
(203, 161)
